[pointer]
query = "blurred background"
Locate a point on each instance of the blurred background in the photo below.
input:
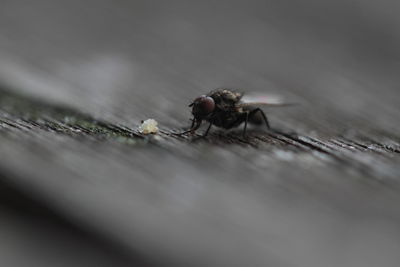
(123, 61)
(127, 59)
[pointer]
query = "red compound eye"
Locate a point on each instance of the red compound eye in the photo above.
(203, 105)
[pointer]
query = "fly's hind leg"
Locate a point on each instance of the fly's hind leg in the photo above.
(254, 111)
(247, 114)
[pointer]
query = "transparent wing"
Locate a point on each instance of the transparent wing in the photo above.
(264, 100)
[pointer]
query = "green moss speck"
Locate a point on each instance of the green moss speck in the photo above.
(61, 119)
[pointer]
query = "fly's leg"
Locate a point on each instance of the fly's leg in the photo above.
(245, 124)
(191, 126)
(208, 129)
(254, 111)
(195, 125)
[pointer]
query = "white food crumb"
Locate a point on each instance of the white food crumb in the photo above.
(149, 126)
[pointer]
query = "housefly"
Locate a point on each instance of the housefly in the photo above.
(228, 109)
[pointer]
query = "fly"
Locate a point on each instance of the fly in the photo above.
(228, 109)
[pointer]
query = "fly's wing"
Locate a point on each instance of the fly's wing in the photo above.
(264, 100)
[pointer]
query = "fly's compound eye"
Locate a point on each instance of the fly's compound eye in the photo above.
(203, 105)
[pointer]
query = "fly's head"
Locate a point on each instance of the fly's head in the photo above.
(202, 107)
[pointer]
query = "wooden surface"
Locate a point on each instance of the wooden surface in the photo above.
(320, 189)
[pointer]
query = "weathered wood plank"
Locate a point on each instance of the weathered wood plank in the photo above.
(136, 186)
(320, 189)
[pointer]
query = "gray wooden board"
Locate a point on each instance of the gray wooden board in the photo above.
(320, 189)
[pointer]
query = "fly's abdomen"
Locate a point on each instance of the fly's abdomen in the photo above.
(256, 119)
(227, 120)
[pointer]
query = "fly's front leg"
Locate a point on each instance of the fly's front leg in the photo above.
(208, 129)
(195, 125)
(191, 126)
